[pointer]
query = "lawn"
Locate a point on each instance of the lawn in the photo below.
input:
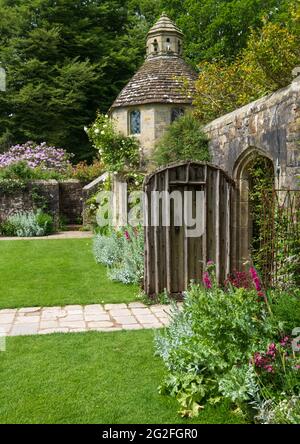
(106, 378)
(55, 272)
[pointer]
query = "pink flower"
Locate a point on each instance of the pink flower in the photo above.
(271, 350)
(206, 280)
(284, 342)
(127, 236)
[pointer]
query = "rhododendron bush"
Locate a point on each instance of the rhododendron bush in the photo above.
(226, 343)
(37, 156)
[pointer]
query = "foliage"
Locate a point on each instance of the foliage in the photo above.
(261, 186)
(117, 152)
(200, 348)
(108, 250)
(265, 65)
(87, 173)
(275, 227)
(246, 357)
(35, 156)
(28, 224)
(131, 268)
(184, 140)
(213, 29)
(286, 308)
(285, 411)
(59, 71)
(123, 252)
(24, 163)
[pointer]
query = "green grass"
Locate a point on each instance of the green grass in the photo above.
(55, 272)
(106, 378)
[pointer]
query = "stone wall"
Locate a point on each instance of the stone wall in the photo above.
(71, 201)
(155, 119)
(270, 125)
(61, 199)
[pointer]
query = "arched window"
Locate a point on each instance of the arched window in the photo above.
(176, 112)
(135, 122)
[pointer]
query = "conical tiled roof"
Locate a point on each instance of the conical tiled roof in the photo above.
(159, 80)
(164, 24)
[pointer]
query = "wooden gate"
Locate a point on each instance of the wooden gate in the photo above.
(174, 257)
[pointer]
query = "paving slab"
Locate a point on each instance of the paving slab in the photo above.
(77, 318)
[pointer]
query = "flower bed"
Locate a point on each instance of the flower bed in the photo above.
(233, 343)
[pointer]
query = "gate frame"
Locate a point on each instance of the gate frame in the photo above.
(231, 237)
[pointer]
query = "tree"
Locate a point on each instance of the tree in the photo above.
(264, 66)
(64, 60)
(219, 28)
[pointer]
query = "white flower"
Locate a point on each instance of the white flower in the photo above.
(97, 131)
(102, 132)
(85, 128)
(106, 116)
(104, 126)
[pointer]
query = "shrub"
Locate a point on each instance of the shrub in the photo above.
(184, 140)
(286, 309)
(205, 341)
(286, 411)
(86, 173)
(230, 344)
(27, 224)
(45, 221)
(123, 253)
(37, 156)
(131, 268)
(108, 250)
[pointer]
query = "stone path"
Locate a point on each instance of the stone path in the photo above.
(77, 318)
(60, 235)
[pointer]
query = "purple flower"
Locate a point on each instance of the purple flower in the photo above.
(42, 156)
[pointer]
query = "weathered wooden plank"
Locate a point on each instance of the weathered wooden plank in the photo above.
(171, 258)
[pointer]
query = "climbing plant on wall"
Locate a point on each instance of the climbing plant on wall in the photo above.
(116, 151)
(275, 226)
(184, 140)
(261, 185)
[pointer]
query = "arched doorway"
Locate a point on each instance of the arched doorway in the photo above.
(255, 178)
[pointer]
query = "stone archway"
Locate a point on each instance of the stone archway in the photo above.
(243, 229)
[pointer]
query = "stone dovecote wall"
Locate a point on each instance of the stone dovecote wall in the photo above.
(270, 125)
